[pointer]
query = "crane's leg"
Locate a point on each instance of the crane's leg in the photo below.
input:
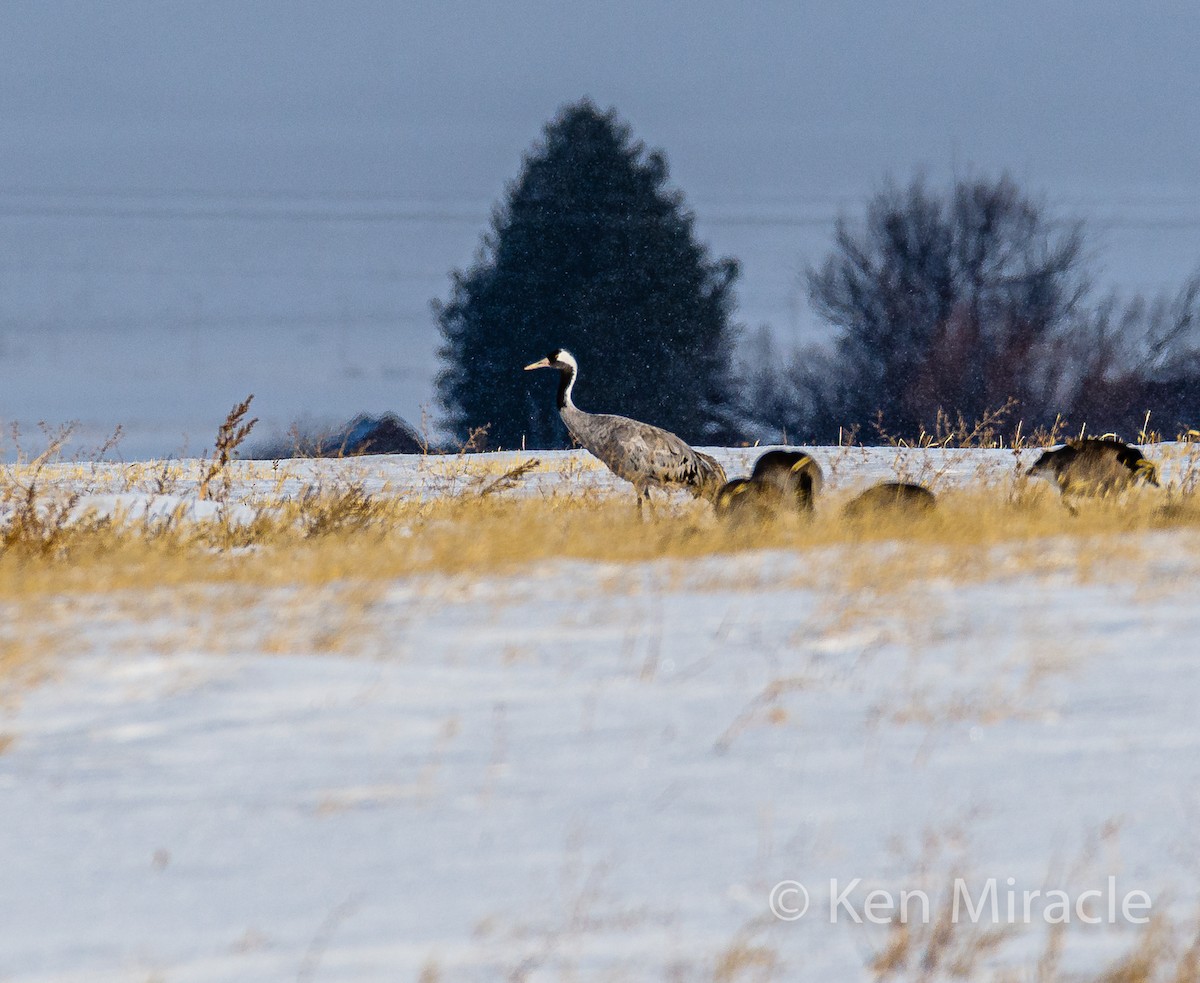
(643, 493)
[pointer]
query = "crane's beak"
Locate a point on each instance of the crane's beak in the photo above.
(543, 364)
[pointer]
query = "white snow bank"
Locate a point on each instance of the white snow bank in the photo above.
(589, 772)
(155, 509)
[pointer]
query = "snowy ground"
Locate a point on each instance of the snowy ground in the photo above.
(594, 771)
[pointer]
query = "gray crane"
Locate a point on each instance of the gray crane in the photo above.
(644, 455)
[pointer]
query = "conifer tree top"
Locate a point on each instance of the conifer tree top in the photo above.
(590, 251)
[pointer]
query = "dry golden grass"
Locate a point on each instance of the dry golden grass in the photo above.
(947, 949)
(745, 961)
(336, 535)
(344, 532)
(25, 644)
(935, 945)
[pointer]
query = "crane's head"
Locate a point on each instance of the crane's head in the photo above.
(560, 359)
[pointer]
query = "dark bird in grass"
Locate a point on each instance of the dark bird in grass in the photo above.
(893, 497)
(782, 482)
(795, 475)
(644, 455)
(746, 500)
(1094, 467)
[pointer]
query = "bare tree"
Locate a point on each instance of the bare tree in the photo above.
(962, 301)
(947, 302)
(1123, 361)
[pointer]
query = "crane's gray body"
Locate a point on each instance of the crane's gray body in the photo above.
(644, 455)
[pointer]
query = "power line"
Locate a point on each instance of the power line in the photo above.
(301, 273)
(238, 214)
(840, 198)
(416, 216)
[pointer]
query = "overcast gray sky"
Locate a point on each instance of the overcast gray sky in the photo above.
(152, 153)
(747, 99)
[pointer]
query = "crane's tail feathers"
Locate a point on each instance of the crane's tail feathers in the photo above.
(710, 477)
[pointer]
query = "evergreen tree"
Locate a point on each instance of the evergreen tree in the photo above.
(590, 252)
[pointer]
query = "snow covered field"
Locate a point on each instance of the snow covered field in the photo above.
(599, 770)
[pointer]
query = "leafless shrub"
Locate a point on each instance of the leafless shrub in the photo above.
(953, 430)
(344, 510)
(230, 435)
(509, 478)
(34, 521)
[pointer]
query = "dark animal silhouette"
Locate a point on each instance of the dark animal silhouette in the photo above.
(746, 501)
(782, 482)
(794, 474)
(891, 497)
(1094, 467)
(644, 455)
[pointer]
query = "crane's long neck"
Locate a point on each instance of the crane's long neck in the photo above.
(566, 382)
